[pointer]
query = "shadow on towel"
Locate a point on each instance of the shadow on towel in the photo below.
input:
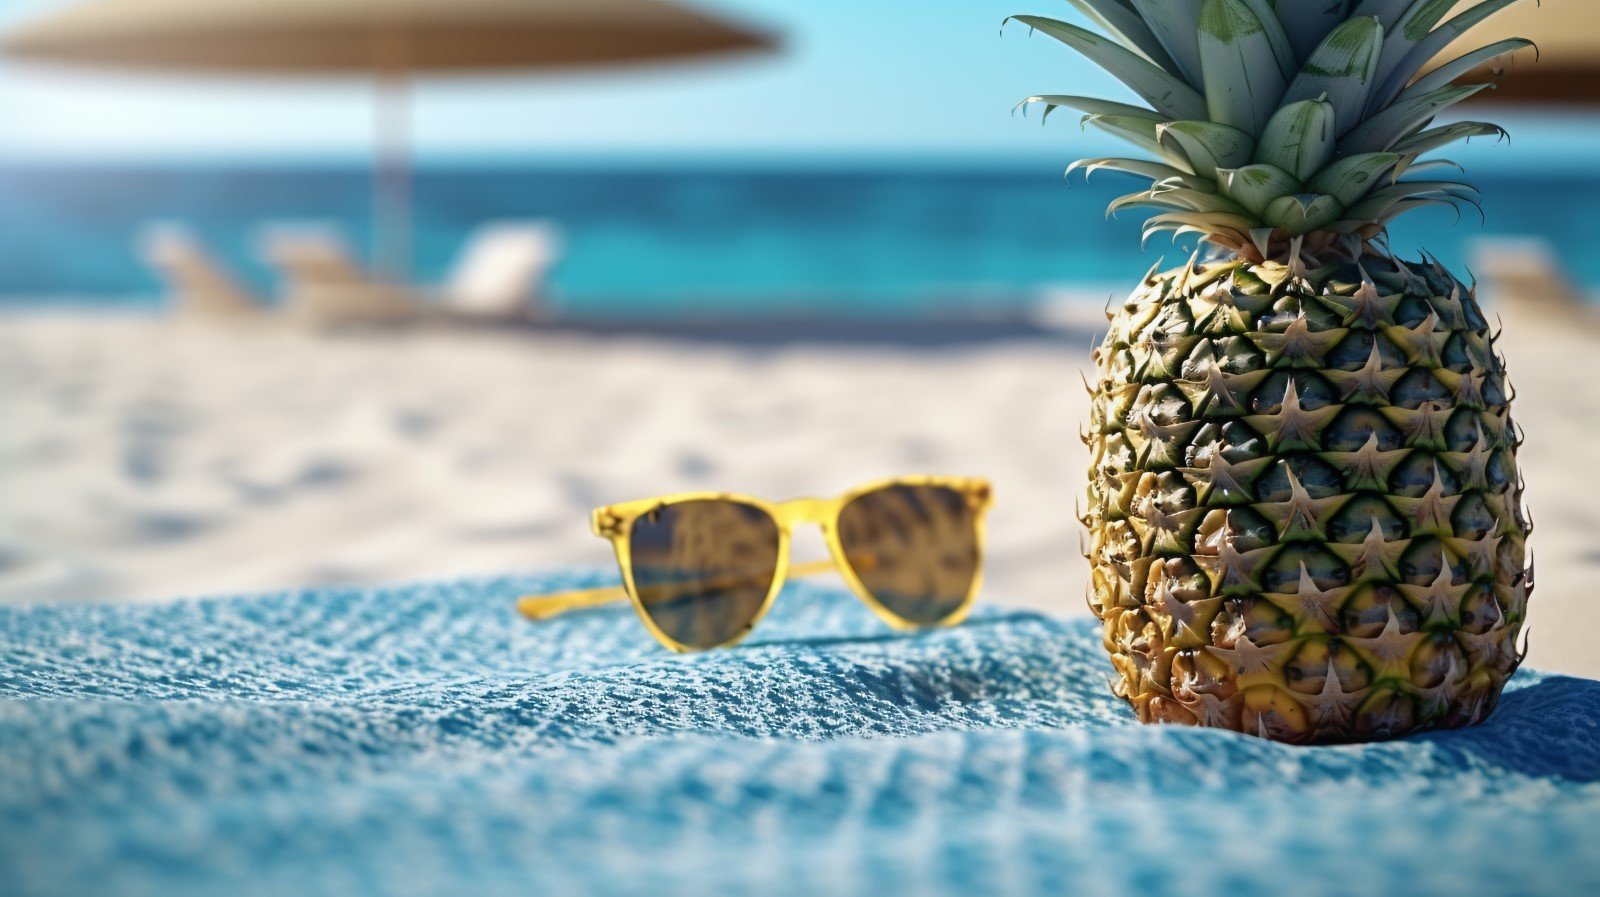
(1551, 728)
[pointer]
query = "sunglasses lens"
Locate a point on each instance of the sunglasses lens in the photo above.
(703, 568)
(915, 548)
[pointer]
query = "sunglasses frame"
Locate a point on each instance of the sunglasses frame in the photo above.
(615, 522)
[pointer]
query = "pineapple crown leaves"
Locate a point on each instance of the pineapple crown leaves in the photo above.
(1275, 120)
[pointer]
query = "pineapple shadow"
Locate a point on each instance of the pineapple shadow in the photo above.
(1547, 730)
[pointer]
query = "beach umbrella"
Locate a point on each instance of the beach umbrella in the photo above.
(389, 41)
(1565, 69)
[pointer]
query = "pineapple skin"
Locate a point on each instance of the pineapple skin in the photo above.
(1305, 517)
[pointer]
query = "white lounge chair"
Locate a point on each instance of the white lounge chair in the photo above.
(500, 274)
(197, 283)
(323, 287)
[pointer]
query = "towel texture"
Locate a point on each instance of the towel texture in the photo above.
(426, 740)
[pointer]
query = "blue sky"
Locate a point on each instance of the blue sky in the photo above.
(895, 77)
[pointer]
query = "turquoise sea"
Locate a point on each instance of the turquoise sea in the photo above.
(665, 241)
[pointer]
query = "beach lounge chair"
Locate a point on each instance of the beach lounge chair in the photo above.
(1525, 271)
(323, 288)
(198, 285)
(500, 273)
(498, 277)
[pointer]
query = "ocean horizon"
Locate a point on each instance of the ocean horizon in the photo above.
(679, 239)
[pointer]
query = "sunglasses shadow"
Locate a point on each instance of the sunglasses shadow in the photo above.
(891, 636)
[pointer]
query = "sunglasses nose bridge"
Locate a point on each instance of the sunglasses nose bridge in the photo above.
(805, 510)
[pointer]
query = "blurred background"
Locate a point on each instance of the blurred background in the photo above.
(277, 312)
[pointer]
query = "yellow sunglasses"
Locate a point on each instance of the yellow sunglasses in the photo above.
(703, 568)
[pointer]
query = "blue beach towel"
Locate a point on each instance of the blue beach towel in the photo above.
(425, 740)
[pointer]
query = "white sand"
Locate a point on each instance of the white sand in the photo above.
(142, 459)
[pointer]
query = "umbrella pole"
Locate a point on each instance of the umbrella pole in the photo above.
(391, 176)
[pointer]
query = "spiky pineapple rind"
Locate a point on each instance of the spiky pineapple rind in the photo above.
(1298, 472)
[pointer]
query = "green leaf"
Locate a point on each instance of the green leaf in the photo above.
(1384, 130)
(1090, 106)
(1154, 171)
(1288, 61)
(1256, 186)
(1342, 69)
(1351, 222)
(1390, 84)
(1242, 78)
(1454, 189)
(1429, 167)
(1176, 200)
(1380, 205)
(1307, 24)
(1173, 22)
(1303, 213)
(1207, 200)
(1206, 145)
(1132, 200)
(1142, 134)
(1351, 178)
(1381, 209)
(1444, 135)
(1445, 74)
(1123, 23)
(1407, 205)
(1387, 12)
(1165, 93)
(1299, 139)
(1206, 224)
(1411, 29)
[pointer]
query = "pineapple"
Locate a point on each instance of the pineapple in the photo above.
(1305, 518)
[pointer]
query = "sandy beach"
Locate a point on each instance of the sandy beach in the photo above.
(143, 459)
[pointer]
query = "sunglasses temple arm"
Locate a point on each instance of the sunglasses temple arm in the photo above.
(543, 607)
